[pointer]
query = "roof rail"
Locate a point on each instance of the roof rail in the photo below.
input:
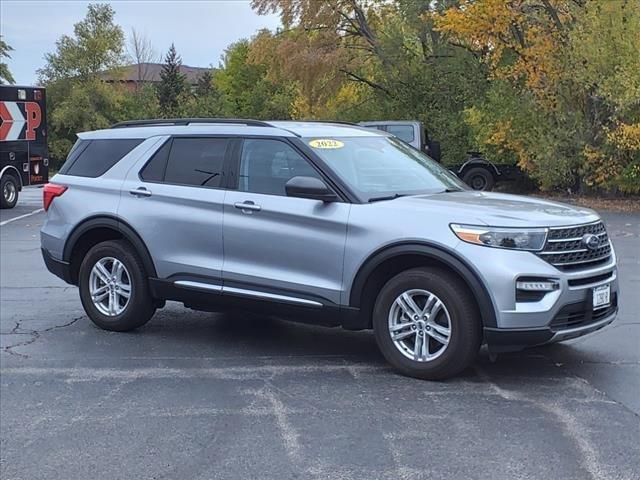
(188, 121)
(339, 122)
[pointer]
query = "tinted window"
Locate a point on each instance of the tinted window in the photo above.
(403, 132)
(153, 171)
(267, 165)
(92, 158)
(196, 161)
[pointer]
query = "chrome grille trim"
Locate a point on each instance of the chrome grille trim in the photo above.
(564, 252)
(574, 239)
(564, 248)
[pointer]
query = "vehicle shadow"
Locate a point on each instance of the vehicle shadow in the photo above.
(243, 336)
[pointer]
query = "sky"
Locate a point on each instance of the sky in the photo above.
(201, 30)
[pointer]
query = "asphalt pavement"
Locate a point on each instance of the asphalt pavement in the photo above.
(196, 395)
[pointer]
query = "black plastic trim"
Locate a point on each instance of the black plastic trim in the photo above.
(512, 340)
(164, 289)
(118, 225)
(57, 267)
(436, 252)
(187, 121)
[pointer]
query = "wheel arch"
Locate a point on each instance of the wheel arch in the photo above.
(13, 171)
(100, 228)
(392, 259)
(479, 162)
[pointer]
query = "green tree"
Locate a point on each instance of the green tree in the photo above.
(97, 46)
(204, 86)
(5, 74)
(173, 86)
(78, 98)
(564, 85)
(246, 90)
(365, 60)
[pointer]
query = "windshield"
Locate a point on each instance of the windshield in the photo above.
(383, 166)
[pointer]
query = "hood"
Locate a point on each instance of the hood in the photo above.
(499, 209)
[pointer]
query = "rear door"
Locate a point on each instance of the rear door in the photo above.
(279, 245)
(174, 200)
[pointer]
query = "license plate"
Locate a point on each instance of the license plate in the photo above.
(601, 296)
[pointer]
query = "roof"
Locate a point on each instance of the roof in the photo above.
(150, 72)
(328, 129)
(276, 128)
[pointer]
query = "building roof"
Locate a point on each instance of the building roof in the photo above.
(150, 72)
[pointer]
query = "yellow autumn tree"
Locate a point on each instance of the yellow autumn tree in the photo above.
(566, 85)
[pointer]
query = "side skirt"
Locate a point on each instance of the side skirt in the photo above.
(203, 295)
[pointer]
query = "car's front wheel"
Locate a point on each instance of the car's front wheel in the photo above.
(113, 287)
(427, 324)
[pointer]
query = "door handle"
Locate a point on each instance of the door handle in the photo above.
(140, 192)
(247, 206)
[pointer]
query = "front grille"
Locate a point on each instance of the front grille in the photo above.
(564, 248)
(581, 314)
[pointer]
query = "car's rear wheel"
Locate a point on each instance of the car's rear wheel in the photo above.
(427, 324)
(114, 288)
(8, 191)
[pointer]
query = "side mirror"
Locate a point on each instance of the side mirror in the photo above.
(433, 149)
(311, 188)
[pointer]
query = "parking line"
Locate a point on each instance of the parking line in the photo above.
(2, 224)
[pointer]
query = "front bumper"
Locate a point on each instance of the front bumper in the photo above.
(514, 339)
(560, 315)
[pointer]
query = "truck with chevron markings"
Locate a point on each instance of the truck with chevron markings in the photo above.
(24, 156)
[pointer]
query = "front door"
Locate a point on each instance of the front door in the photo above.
(288, 247)
(175, 203)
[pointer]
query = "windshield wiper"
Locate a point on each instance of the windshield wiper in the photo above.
(387, 197)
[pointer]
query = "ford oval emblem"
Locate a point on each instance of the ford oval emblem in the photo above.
(591, 241)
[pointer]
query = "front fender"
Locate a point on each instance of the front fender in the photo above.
(438, 253)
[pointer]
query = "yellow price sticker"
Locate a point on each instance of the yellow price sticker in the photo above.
(326, 143)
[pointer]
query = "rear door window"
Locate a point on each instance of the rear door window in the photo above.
(92, 158)
(197, 161)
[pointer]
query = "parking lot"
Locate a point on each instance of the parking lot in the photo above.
(200, 395)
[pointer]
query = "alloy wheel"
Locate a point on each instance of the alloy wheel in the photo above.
(110, 286)
(419, 325)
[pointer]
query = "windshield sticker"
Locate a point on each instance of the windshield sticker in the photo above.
(326, 143)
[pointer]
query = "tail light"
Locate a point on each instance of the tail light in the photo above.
(51, 191)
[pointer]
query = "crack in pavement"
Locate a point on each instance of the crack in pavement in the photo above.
(34, 335)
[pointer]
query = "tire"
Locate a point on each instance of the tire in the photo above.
(479, 178)
(8, 191)
(465, 326)
(127, 314)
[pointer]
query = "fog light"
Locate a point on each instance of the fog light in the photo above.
(538, 285)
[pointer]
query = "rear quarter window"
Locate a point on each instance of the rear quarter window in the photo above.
(92, 158)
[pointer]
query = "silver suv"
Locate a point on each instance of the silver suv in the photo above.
(326, 223)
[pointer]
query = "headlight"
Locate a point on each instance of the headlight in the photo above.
(515, 238)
